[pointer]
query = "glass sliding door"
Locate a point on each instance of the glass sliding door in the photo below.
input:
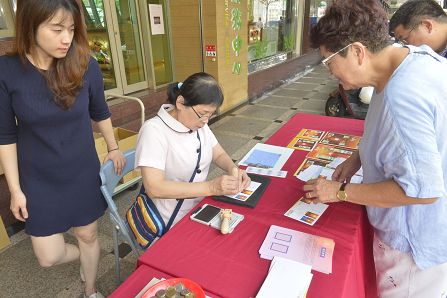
(6, 19)
(130, 45)
(99, 40)
(115, 42)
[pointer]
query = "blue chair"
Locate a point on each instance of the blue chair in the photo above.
(109, 181)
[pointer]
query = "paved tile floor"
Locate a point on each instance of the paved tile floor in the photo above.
(21, 275)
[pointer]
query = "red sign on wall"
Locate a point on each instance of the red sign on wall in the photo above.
(210, 50)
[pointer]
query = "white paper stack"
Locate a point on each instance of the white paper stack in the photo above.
(286, 278)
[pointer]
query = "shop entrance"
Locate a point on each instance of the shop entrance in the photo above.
(115, 42)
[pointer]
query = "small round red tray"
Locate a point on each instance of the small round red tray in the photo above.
(162, 285)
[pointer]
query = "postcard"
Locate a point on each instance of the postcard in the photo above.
(266, 156)
(329, 153)
(302, 144)
(306, 212)
(342, 140)
(246, 193)
(308, 162)
(266, 172)
(311, 134)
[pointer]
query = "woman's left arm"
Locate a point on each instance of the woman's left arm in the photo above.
(114, 153)
(224, 161)
(385, 194)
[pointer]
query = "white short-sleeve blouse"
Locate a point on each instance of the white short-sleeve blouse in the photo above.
(166, 144)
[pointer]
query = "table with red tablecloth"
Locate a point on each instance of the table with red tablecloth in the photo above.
(230, 265)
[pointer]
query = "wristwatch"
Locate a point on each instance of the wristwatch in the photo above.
(341, 194)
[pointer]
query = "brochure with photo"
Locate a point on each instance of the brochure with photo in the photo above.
(309, 162)
(302, 144)
(311, 134)
(329, 153)
(341, 140)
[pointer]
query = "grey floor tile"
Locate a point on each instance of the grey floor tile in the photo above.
(320, 74)
(287, 115)
(326, 89)
(312, 80)
(299, 85)
(230, 142)
(314, 106)
(22, 276)
(263, 112)
(291, 93)
(279, 101)
(271, 129)
(319, 96)
(106, 282)
(246, 126)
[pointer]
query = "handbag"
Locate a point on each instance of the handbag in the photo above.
(143, 218)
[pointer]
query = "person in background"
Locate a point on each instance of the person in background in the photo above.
(403, 151)
(50, 90)
(419, 22)
(169, 144)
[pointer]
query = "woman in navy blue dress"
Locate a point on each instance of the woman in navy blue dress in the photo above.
(50, 90)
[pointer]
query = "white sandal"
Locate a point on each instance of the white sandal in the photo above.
(81, 273)
(94, 295)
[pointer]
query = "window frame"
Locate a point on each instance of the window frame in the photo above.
(9, 19)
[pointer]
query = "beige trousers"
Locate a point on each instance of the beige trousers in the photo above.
(399, 277)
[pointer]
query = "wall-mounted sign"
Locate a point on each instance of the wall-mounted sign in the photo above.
(210, 50)
(156, 17)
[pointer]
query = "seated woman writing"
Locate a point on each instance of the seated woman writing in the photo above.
(177, 143)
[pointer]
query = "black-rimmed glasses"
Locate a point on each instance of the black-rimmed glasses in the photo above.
(202, 117)
(403, 41)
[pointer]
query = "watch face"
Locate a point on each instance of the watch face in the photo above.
(342, 196)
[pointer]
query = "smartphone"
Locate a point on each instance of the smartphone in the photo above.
(205, 214)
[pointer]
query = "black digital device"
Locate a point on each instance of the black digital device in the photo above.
(205, 214)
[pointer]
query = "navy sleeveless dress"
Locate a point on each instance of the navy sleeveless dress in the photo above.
(57, 160)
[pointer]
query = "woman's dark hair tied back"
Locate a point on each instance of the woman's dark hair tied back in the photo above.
(198, 89)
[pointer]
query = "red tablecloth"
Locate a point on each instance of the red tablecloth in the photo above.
(230, 266)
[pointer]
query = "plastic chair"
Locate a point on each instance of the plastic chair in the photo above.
(109, 181)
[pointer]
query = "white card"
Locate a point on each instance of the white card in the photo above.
(266, 172)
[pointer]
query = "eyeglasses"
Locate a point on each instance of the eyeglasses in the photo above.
(202, 117)
(403, 41)
(325, 61)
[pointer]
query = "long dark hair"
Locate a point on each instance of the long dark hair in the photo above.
(199, 88)
(64, 76)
